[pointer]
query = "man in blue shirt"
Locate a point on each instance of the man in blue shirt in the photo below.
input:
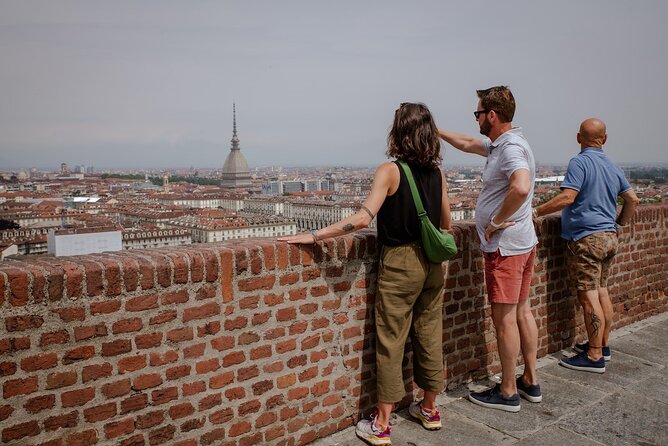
(589, 224)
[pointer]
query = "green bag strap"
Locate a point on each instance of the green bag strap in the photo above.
(411, 182)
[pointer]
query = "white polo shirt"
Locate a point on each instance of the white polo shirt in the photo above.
(508, 153)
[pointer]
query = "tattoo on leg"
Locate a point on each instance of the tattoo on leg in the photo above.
(595, 324)
(348, 227)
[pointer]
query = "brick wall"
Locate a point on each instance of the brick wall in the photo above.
(254, 342)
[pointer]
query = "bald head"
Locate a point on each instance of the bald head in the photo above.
(592, 133)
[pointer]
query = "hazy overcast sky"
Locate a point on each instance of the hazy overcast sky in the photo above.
(151, 83)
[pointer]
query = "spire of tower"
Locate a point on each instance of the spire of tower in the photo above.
(235, 139)
(234, 117)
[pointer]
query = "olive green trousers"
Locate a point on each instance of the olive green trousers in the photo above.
(409, 301)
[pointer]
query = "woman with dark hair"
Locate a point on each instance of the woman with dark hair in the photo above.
(409, 299)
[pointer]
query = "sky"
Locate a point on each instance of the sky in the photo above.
(139, 84)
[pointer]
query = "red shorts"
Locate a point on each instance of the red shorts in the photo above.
(508, 278)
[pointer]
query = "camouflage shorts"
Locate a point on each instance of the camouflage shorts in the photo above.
(589, 260)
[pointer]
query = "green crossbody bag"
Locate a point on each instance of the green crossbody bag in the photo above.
(437, 244)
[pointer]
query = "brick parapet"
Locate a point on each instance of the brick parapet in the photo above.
(255, 342)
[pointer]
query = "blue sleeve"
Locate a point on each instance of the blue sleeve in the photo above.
(575, 175)
(623, 183)
(513, 158)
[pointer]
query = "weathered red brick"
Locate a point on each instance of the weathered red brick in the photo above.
(61, 379)
(162, 358)
(135, 440)
(233, 358)
(221, 416)
(285, 381)
(148, 340)
(239, 428)
(210, 401)
(117, 428)
(105, 307)
(246, 373)
(112, 274)
(134, 403)
(100, 413)
(213, 436)
(116, 347)
(218, 381)
(150, 419)
(147, 381)
(194, 351)
(19, 431)
(39, 362)
(7, 368)
(181, 410)
(127, 325)
(249, 407)
(94, 279)
(209, 365)
(161, 435)
(193, 388)
(91, 331)
(71, 314)
(77, 397)
(85, 438)
(286, 346)
(202, 312)
(131, 363)
(261, 318)
(79, 354)
(164, 395)
(40, 403)
(116, 389)
(298, 294)
(190, 425)
(311, 274)
(180, 334)
(23, 386)
(257, 283)
(54, 337)
(249, 302)
(19, 282)
(5, 412)
(266, 419)
(163, 317)
(73, 278)
(175, 297)
(12, 345)
(262, 386)
(223, 343)
(286, 314)
(142, 303)
(61, 421)
(130, 273)
(22, 323)
(235, 393)
(260, 352)
(196, 266)
(178, 372)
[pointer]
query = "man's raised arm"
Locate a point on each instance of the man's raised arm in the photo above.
(463, 142)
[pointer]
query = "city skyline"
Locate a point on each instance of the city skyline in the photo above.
(146, 85)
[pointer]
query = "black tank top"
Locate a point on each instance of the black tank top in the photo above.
(397, 217)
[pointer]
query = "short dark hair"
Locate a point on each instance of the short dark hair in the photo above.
(500, 99)
(414, 136)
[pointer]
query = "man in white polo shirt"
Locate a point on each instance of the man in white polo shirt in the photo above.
(508, 240)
